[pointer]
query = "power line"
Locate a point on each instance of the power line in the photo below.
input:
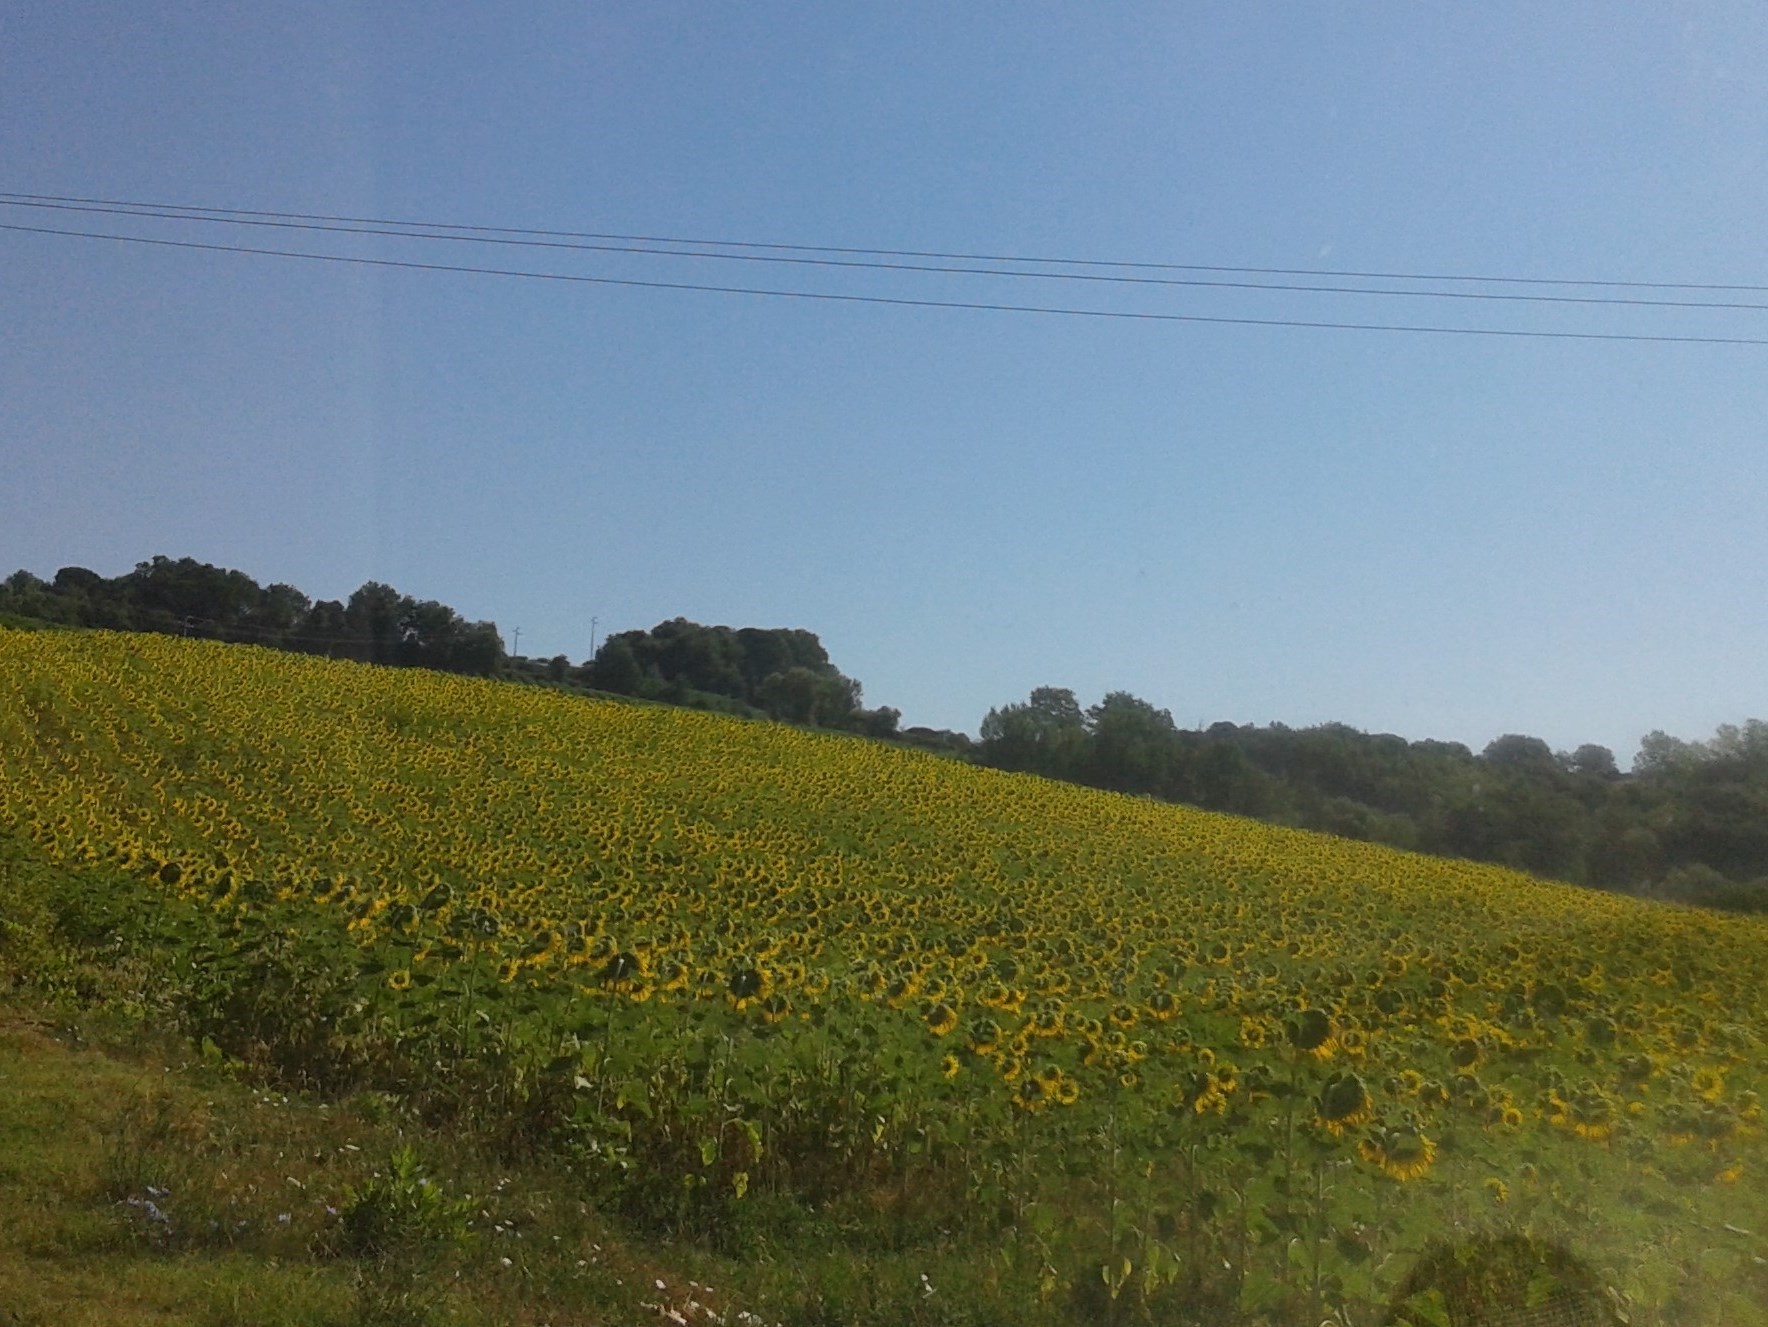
(899, 301)
(400, 230)
(898, 253)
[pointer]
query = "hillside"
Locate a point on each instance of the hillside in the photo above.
(1688, 825)
(755, 984)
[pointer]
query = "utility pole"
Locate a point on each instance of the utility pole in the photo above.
(516, 649)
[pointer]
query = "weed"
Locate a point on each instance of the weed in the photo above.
(401, 1211)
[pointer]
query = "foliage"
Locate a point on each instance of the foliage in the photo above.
(783, 673)
(184, 597)
(399, 1209)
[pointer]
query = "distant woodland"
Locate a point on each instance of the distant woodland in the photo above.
(1687, 823)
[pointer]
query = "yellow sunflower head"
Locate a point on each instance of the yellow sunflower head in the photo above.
(1343, 1103)
(938, 1017)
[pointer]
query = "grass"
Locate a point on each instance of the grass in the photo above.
(70, 1253)
(142, 1185)
(250, 1187)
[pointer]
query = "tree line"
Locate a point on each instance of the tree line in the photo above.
(1688, 823)
(184, 597)
(782, 674)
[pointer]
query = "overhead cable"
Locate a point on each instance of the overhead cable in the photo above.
(899, 301)
(223, 212)
(396, 230)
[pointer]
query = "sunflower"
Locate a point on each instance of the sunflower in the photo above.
(399, 979)
(1048, 1021)
(1588, 1111)
(1201, 1092)
(1343, 1103)
(949, 1066)
(984, 1034)
(938, 1017)
(1403, 1154)
(1312, 1033)
(623, 972)
(1707, 1083)
(745, 986)
(995, 996)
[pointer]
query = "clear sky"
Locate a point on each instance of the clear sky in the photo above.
(1440, 536)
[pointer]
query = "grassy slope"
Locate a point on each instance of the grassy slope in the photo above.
(67, 1254)
(86, 1127)
(949, 847)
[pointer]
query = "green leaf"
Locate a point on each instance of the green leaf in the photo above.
(1542, 1287)
(634, 1093)
(1429, 1309)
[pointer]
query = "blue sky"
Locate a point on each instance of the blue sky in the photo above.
(1440, 536)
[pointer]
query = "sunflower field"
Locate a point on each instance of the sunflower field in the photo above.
(1144, 1059)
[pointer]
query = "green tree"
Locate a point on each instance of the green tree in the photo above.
(1133, 746)
(1661, 755)
(803, 695)
(1515, 751)
(282, 610)
(1594, 761)
(374, 615)
(616, 667)
(1045, 735)
(793, 695)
